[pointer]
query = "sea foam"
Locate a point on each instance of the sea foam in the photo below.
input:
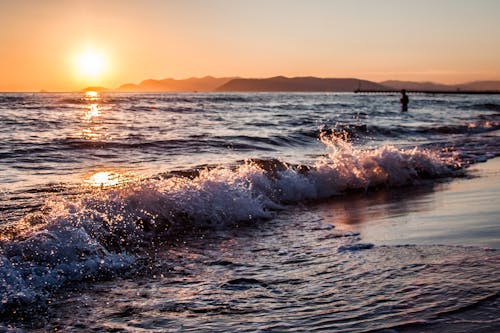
(102, 233)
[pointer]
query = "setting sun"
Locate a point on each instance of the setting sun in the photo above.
(91, 64)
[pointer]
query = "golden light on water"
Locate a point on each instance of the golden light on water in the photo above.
(91, 118)
(93, 111)
(91, 133)
(105, 179)
(93, 130)
(91, 94)
(93, 107)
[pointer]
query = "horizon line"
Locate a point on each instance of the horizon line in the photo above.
(106, 89)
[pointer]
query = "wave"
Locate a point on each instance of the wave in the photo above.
(346, 132)
(357, 131)
(487, 106)
(43, 151)
(193, 143)
(81, 99)
(196, 98)
(469, 128)
(11, 99)
(186, 145)
(228, 98)
(156, 98)
(104, 233)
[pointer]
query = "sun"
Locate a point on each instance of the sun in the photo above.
(91, 64)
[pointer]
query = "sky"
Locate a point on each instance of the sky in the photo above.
(44, 44)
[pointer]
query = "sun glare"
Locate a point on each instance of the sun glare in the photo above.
(91, 94)
(104, 179)
(91, 64)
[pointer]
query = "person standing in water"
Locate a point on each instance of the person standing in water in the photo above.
(404, 100)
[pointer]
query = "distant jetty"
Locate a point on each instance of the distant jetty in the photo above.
(444, 92)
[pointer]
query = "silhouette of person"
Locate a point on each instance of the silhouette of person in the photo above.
(404, 100)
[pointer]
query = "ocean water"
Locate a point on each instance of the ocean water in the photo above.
(198, 212)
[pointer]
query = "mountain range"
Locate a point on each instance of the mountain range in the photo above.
(306, 84)
(297, 84)
(207, 83)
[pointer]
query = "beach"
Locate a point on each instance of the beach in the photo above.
(464, 212)
(249, 212)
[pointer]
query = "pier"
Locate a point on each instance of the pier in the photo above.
(409, 91)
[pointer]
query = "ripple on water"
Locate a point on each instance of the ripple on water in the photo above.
(241, 279)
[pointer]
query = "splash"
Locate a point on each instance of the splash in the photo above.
(104, 232)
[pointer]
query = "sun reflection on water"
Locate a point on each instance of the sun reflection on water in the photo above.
(106, 179)
(93, 108)
(91, 118)
(90, 134)
(91, 94)
(93, 111)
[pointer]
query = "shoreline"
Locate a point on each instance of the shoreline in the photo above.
(461, 211)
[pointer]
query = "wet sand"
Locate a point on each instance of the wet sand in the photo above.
(463, 211)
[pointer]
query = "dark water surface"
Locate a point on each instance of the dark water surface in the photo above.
(294, 274)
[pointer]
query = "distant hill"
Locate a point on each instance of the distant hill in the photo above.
(416, 85)
(480, 85)
(207, 83)
(299, 84)
(306, 84)
(97, 89)
(474, 86)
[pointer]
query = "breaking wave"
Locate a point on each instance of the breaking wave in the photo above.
(104, 232)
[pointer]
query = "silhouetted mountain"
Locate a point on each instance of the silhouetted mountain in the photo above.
(480, 85)
(129, 87)
(97, 89)
(207, 83)
(299, 84)
(281, 83)
(409, 85)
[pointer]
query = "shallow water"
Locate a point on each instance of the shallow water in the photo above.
(295, 273)
(246, 212)
(464, 211)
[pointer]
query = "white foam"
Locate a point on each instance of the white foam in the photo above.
(101, 233)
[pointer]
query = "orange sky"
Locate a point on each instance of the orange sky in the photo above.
(449, 41)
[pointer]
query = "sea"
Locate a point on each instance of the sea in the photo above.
(226, 212)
